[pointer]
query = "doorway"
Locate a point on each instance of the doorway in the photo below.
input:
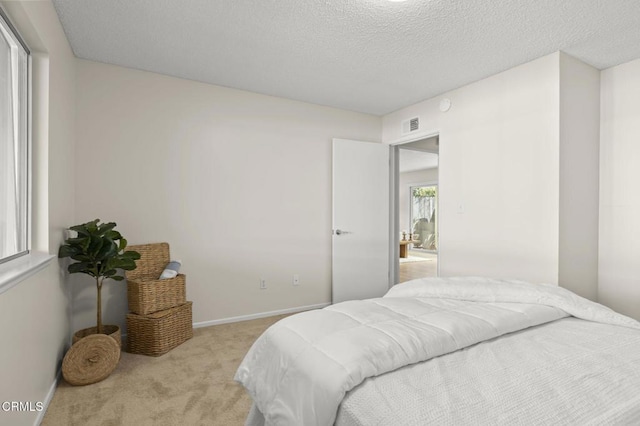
(417, 209)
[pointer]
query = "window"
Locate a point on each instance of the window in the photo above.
(424, 200)
(14, 143)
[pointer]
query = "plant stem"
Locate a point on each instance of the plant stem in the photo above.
(99, 310)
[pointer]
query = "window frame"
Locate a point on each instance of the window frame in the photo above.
(6, 22)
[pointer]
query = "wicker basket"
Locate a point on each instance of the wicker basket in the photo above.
(145, 292)
(146, 297)
(156, 334)
(112, 331)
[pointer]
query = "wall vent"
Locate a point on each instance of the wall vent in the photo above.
(411, 125)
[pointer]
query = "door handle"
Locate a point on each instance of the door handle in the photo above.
(341, 232)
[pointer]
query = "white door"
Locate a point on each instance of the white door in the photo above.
(360, 256)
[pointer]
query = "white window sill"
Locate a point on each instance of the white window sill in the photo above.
(21, 268)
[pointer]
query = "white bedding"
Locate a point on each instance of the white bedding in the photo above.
(567, 372)
(300, 369)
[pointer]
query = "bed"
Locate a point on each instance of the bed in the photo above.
(461, 351)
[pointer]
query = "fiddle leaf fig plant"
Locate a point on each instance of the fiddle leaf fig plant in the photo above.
(98, 251)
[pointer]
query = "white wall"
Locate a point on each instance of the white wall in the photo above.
(238, 183)
(406, 180)
(518, 173)
(619, 250)
(499, 160)
(579, 158)
(35, 313)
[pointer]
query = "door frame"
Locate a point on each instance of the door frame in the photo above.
(394, 204)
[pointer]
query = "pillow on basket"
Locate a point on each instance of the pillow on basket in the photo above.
(171, 270)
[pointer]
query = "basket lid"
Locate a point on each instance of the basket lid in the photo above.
(90, 360)
(153, 259)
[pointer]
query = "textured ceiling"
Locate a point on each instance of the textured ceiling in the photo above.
(373, 56)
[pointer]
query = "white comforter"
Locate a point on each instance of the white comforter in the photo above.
(566, 372)
(300, 369)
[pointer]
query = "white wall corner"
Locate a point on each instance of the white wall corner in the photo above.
(579, 137)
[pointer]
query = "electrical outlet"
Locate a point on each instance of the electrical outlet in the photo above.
(263, 284)
(296, 279)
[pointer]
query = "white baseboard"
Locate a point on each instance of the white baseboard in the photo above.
(48, 398)
(259, 315)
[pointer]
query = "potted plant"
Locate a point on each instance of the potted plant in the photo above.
(98, 251)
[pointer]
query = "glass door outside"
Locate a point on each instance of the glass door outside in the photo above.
(423, 220)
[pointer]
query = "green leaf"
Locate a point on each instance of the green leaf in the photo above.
(126, 264)
(80, 229)
(110, 272)
(117, 278)
(106, 227)
(79, 267)
(92, 227)
(81, 258)
(123, 244)
(107, 251)
(67, 251)
(75, 241)
(85, 243)
(95, 246)
(113, 235)
(86, 228)
(134, 255)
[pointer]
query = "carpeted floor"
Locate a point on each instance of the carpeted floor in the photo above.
(191, 385)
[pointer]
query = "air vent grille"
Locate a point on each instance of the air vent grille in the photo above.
(411, 125)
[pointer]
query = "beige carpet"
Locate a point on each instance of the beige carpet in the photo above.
(191, 385)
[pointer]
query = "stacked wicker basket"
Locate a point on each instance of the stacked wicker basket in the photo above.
(160, 317)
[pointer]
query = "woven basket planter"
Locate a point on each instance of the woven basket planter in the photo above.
(112, 331)
(156, 334)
